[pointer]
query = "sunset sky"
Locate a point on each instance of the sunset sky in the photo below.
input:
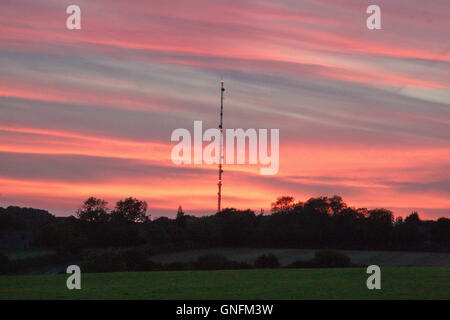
(364, 114)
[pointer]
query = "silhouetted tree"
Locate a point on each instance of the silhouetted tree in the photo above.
(440, 234)
(93, 210)
(320, 205)
(130, 210)
(235, 227)
(413, 218)
(181, 218)
(381, 216)
(379, 228)
(337, 205)
(283, 204)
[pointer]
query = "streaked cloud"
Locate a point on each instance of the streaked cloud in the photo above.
(362, 114)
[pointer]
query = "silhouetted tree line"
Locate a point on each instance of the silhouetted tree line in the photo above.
(17, 218)
(95, 225)
(319, 223)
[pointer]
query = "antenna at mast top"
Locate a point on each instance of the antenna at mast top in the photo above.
(219, 184)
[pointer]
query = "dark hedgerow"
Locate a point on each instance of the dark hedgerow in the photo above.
(267, 261)
(135, 260)
(212, 261)
(330, 258)
(108, 261)
(176, 266)
(324, 259)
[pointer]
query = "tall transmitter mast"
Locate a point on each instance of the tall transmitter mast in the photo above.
(219, 184)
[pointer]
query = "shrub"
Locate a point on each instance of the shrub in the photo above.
(240, 265)
(152, 266)
(329, 258)
(135, 260)
(176, 266)
(267, 261)
(212, 261)
(108, 261)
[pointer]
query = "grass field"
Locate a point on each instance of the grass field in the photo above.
(397, 283)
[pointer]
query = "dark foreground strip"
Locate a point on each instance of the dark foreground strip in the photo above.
(238, 309)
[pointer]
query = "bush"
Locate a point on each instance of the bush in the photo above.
(152, 266)
(212, 261)
(176, 266)
(267, 261)
(108, 261)
(329, 258)
(135, 260)
(240, 265)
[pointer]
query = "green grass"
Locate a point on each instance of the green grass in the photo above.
(26, 254)
(397, 283)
